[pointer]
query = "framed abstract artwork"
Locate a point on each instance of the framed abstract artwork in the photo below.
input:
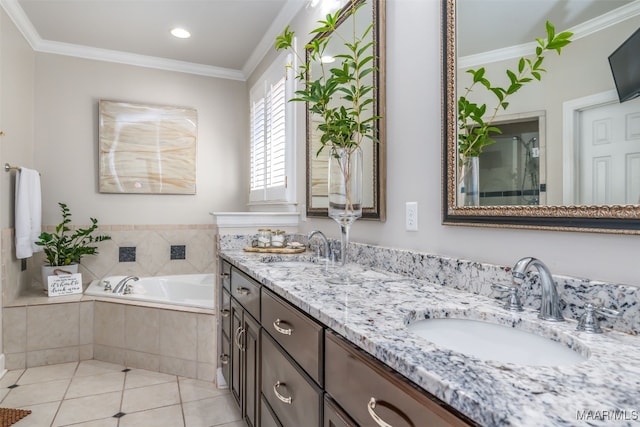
(147, 149)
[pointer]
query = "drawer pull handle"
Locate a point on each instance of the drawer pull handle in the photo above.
(280, 397)
(224, 359)
(371, 408)
(239, 333)
(283, 331)
(225, 312)
(243, 291)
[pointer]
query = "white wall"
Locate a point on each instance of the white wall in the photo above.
(17, 62)
(414, 172)
(67, 91)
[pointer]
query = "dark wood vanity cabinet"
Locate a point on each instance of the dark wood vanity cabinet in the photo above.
(285, 369)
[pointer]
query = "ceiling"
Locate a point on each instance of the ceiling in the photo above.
(229, 37)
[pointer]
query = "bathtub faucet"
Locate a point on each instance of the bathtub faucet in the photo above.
(121, 286)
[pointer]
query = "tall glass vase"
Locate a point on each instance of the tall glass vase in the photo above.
(469, 182)
(345, 196)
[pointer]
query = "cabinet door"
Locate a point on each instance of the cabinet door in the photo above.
(225, 275)
(225, 312)
(225, 358)
(251, 384)
(373, 395)
(334, 416)
(236, 352)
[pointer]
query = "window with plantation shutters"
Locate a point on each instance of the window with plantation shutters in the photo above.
(271, 135)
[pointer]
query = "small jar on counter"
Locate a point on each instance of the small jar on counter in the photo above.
(264, 238)
(277, 239)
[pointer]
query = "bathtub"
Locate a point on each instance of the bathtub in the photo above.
(191, 290)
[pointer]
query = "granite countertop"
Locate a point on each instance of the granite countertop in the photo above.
(373, 315)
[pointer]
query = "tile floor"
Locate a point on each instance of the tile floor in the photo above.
(90, 393)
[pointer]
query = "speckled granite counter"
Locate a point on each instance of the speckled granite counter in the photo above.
(604, 390)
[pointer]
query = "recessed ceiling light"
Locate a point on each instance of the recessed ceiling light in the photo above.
(180, 33)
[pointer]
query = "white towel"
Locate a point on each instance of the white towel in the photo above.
(28, 212)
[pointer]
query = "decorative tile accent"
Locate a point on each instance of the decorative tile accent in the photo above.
(178, 252)
(119, 415)
(127, 254)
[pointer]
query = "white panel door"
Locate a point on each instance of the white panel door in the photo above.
(609, 154)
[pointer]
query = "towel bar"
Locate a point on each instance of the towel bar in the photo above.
(9, 168)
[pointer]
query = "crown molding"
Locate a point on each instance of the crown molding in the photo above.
(24, 25)
(286, 15)
(579, 31)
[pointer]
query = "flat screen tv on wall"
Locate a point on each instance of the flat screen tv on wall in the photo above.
(625, 67)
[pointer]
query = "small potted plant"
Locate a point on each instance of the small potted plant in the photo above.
(64, 248)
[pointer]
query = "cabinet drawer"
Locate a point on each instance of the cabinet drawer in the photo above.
(267, 417)
(225, 312)
(298, 334)
(246, 291)
(225, 358)
(334, 416)
(366, 389)
(225, 275)
(295, 399)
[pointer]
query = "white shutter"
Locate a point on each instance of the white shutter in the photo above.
(271, 135)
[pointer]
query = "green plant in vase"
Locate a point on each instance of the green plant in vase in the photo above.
(64, 248)
(341, 95)
(475, 123)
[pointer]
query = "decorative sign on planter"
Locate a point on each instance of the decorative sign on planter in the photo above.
(65, 284)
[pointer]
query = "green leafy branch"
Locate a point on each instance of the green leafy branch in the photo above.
(339, 96)
(473, 129)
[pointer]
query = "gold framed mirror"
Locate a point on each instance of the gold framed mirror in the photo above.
(374, 170)
(576, 187)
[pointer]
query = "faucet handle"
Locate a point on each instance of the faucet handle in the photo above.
(589, 320)
(513, 303)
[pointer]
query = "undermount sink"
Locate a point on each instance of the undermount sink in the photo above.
(490, 341)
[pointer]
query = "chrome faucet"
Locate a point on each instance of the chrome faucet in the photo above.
(118, 289)
(550, 305)
(327, 247)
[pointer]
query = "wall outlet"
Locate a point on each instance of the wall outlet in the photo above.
(411, 216)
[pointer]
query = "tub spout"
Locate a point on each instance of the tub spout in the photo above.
(123, 283)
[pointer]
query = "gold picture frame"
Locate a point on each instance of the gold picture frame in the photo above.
(147, 149)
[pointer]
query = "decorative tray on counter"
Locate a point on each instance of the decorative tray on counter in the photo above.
(285, 250)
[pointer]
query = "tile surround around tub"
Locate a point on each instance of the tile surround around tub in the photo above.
(478, 277)
(169, 341)
(153, 251)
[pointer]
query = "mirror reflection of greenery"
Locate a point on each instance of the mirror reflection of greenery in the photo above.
(347, 123)
(473, 129)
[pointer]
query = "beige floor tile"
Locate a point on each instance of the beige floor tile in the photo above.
(95, 384)
(48, 373)
(10, 378)
(168, 416)
(32, 394)
(142, 378)
(105, 422)
(233, 424)
(41, 415)
(153, 396)
(97, 367)
(191, 390)
(211, 412)
(89, 408)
